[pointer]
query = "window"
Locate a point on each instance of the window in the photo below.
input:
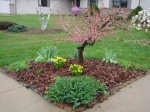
(120, 3)
(44, 3)
(92, 2)
(124, 3)
(116, 3)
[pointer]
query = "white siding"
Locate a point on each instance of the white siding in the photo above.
(104, 3)
(61, 7)
(84, 4)
(134, 4)
(144, 3)
(4, 7)
(29, 6)
(26, 6)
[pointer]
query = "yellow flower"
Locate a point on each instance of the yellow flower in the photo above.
(64, 60)
(71, 66)
(55, 60)
(74, 65)
(79, 71)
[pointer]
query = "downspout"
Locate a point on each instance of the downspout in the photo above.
(139, 2)
(15, 7)
(75, 2)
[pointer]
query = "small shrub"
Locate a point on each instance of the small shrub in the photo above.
(59, 62)
(94, 8)
(46, 54)
(17, 28)
(141, 21)
(76, 70)
(76, 11)
(135, 12)
(18, 66)
(76, 90)
(110, 57)
(5, 24)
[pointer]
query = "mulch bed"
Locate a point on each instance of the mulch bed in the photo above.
(47, 31)
(38, 31)
(40, 76)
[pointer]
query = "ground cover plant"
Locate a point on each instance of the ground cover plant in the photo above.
(110, 57)
(17, 28)
(76, 90)
(135, 12)
(18, 66)
(46, 54)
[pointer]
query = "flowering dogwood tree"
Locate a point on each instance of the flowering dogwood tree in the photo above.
(142, 20)
(87, 29)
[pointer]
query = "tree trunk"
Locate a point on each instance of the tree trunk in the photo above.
(80, 53)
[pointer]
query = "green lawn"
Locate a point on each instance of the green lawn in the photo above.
(132, 47)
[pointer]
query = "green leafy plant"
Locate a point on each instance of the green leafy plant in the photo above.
(59, 62)
(110, 57)
(46, 54)
(18, 66)
(17, 28)
(135, 12)
(76, 90)
(74, 55)
(76, 70)
(93, 8)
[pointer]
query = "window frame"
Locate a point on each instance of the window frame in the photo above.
(119, 2)
(40, 3)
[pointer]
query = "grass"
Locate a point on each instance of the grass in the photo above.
(132, 47)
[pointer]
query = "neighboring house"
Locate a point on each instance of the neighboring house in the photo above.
(29, 6)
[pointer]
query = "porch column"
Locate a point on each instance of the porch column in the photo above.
(12, 6)
(129, 4)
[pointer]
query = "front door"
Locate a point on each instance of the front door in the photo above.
(78, 3)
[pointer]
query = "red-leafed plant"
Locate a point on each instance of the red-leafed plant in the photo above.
(87, 29)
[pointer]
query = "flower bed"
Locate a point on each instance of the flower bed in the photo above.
(39, 76)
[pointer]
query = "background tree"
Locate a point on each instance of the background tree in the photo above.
(88, 29)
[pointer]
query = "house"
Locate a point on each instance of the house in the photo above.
(64, 6)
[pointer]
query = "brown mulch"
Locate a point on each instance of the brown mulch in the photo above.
(47, 31)
(41, 75)
(38, 31)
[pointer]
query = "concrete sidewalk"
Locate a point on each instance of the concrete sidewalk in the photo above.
(133, 98)
(16, 98)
